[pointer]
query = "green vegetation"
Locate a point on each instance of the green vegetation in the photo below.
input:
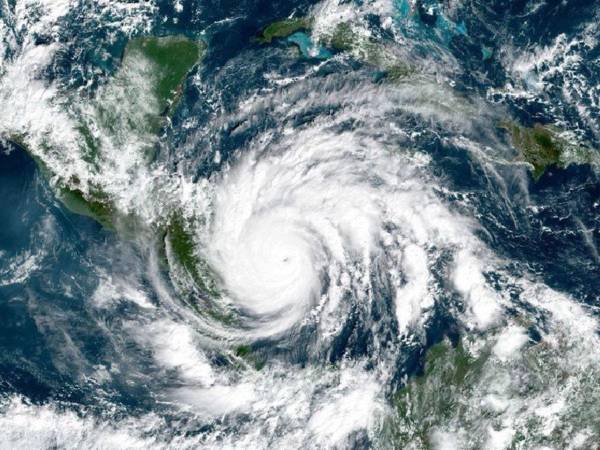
(147, 85)
(242, 351)
(542, 147)
(183, 249)
(182, 245)
(173, 58)
(91, 147)
(433, 397)
(398, 72)
(343, 37)
(369, 51)
(539, 146)
(283, 28)
(245, 352)
(467, 394)
(97, 206)
(180, 251)
(181, 256)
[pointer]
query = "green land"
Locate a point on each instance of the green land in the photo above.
(283, 28)
(147, 85)
(183, 249)
(96, 206)
(246, 353)
(369, 51)
(542, 146)
(538, 145)
(345, 39)
(433, 396)
(135, 101)
(173, 58)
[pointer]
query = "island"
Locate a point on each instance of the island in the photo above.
(386, 62)
(543, 146)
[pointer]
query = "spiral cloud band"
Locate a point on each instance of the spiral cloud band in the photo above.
(322, 240)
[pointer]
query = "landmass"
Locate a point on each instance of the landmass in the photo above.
(373, 52)
(284, 28)
(134, 104)
(429, 399)
(148, 84)
(96, 206)
(182, 250)
(542, 146)
(136, 101)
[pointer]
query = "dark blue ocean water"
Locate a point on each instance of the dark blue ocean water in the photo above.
(52, 339)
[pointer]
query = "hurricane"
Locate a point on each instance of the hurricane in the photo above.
(323, 225)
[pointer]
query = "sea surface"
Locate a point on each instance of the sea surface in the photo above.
(315, 245)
